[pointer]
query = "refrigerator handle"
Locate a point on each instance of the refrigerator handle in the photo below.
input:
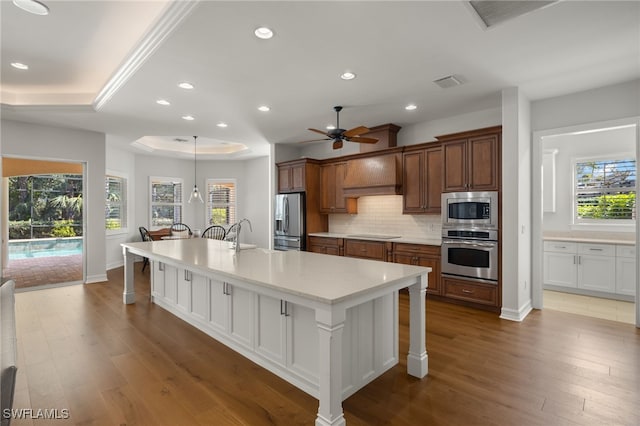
(286, 215)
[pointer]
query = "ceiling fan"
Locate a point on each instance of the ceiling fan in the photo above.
(338, 135)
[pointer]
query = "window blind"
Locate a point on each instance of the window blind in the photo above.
(116, 202)
(221, 202)
(166, 202)
(605, 189)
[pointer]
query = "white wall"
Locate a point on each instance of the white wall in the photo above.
(570, 147)
(123, 162)
(61, 144)
(257, 202)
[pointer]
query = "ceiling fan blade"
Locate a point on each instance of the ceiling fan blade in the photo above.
(356, 131)
(337, 144)
(315, 140)
(318, 131)
(360, 139)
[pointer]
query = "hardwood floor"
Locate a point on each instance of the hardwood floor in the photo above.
(81, 349)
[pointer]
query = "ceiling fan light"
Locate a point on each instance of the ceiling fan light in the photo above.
(32, 6)
(411, 107)
(264, 108)
(331, 127)
(348, 75)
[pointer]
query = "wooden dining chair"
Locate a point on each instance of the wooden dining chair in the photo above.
(215, 232)
(180, 229)
(144, 234)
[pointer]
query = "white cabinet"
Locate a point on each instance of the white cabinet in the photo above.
(231, 311)
(626, 270)
(560, 264)
(287, 335)
(592, 267)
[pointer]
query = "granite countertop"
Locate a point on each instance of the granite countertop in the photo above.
(380, 237)
(591, 239)
(328, 279)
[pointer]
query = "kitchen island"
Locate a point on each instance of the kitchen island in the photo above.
(328, 325)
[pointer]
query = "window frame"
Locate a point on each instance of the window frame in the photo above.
(124, 205)
(596, 223)
(210, 205)
(164, 179)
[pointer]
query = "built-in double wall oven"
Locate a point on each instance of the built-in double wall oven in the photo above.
(470, 235)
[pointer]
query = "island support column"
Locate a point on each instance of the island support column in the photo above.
(330, 327)
(129, 295)
(417, 360)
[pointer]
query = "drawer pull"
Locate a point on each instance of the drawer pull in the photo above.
(465, 291)
(595, 249)
(561, 247)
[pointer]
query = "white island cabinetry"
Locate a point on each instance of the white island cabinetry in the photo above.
(329, 326)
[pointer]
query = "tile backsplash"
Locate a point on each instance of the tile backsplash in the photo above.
(382, 214)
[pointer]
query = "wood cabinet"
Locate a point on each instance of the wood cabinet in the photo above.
(421, 255)
(326, 245)
(471, 291)
(422, 180)
(332, 198)
(304, 176)
(472, 160)
(366, 249)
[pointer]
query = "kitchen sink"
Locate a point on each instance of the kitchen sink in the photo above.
(374, 236)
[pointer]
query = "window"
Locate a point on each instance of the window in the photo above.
(115, 203)
(605, 190)
(166, 202)
(221, 202)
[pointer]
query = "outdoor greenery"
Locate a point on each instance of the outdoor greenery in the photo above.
(45, 206)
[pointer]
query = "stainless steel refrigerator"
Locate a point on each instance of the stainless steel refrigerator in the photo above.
(289, 226)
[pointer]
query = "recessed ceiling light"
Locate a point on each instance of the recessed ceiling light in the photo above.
(32, 6)
(263, 33)
(188, 117)
(20, 65)
(410, 107)
(264, 108)
(163, 102)
(348, 75)
(185, 85)
(221, 124)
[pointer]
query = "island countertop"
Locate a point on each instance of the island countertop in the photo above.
(328, 279)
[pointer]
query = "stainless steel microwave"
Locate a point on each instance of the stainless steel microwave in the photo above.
(470, 209)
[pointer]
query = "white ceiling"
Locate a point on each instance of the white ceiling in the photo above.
(101, 65)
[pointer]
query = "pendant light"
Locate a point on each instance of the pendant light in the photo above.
(195, 194)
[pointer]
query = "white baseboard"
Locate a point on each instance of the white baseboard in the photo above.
(96, 279)
(519, 315)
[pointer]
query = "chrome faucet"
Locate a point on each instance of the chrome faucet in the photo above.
(238, 228)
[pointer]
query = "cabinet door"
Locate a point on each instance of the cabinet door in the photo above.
(328, 188)
(302, 341)
(184, 290)
(413, 182)
(560, 269)
(200, 297)
(284, 179)
(219, 305)
(270, 328)
(626, 276)
(483, 163)
(157, 279)
(455, 166)
(597, 273)
(433, 176)
(365, 249)
(298, 177)
(241, 315)
(170, 283)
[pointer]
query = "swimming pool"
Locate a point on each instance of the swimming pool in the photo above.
(44, 247)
